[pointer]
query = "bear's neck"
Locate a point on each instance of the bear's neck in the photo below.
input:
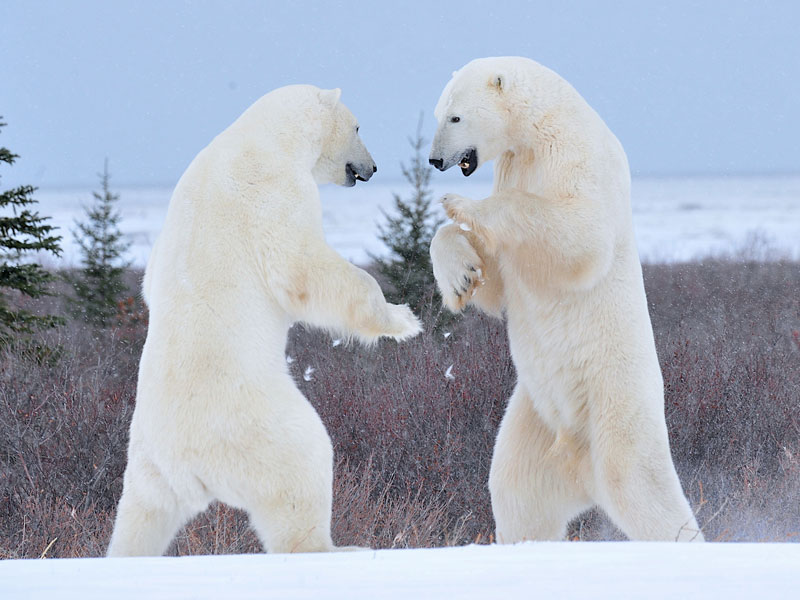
(556, 142)
(277, 133)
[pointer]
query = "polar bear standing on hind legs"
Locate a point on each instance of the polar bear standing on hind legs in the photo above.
(553, 249)
(241, 257)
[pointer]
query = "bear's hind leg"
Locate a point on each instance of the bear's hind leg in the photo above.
(637, 486)
(290, 487)
(533, 484)
(287, 525)
(149, 513)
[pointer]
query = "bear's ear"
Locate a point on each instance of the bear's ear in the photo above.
(499, 82)
(329, 98)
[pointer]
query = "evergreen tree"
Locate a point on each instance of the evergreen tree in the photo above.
(22, 231)
(408, 235)
(99, 284)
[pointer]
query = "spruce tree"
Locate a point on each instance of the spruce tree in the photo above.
(99, 285)
(407, 269)
(22, 232)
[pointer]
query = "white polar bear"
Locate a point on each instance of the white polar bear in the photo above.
(241, 257)
(553, 249)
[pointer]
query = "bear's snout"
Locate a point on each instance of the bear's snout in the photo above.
(437, 162)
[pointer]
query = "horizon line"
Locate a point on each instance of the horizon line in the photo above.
(482, 179)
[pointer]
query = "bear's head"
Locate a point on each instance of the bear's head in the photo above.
(479, 110)
(344, 159)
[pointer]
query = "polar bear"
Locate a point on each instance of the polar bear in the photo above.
(241, 258)
(553, 250)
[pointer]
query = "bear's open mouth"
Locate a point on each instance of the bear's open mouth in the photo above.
(352, 175)
(469, 162)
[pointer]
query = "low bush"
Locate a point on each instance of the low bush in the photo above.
(413, 425)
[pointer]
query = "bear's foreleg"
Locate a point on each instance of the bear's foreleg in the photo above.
(567, 240)
(329, 292)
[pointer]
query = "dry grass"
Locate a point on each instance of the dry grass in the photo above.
(413, 448)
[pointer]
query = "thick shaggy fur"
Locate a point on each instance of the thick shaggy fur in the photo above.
(240, 259)
(553, 250)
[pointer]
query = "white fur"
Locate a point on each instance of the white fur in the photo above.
(555, 249)
(242, 257)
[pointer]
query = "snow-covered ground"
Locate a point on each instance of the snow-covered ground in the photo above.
(533, 570)
(675, 218)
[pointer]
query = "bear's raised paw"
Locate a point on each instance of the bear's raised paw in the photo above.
(457, 268)
(403, 324)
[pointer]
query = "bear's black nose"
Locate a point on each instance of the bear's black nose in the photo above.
(374, 168)
(437, 162)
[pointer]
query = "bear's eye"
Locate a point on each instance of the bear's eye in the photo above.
(455, 119)
(356, 128)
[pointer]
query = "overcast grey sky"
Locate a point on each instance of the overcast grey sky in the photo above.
(688, 87)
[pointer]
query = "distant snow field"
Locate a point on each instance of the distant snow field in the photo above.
(675, 219)
(619, 570)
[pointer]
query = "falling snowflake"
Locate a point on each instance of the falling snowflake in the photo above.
(289, 360)
(308, 372)
(448, 374)
(464, 227)
(336, 343)
(446, 334)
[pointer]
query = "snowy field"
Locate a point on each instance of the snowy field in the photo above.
(675, 218)
(533, 570)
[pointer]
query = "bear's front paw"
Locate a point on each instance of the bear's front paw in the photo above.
(402, 322)
(457, 268)
(461, 287)
(460, 209)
